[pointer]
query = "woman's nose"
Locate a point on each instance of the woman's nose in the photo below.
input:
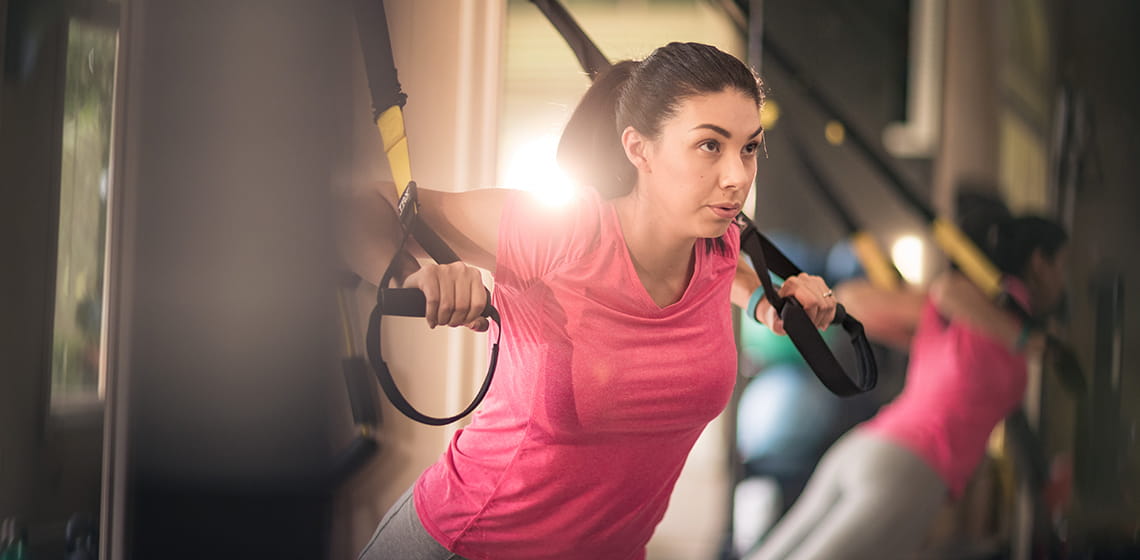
(736, 173)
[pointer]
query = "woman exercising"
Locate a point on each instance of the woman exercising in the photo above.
(617, 332)
(877, 490)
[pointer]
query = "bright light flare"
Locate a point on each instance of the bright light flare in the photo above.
(533, 168)
(907, 254)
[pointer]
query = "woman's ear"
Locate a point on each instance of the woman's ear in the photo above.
(636, 148)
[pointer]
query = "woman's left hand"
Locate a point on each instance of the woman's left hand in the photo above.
(812, 293)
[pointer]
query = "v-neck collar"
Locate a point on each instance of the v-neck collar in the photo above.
(631, 270)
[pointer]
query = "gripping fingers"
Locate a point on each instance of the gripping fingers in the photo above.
(467, 295)
(426, 279)
(478, 299)
(453, 293)
(470, 296)
(452, 314)
(814, 295)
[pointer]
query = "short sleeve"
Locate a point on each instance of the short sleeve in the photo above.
(536, 237)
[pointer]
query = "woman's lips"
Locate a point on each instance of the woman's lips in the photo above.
(725, 211)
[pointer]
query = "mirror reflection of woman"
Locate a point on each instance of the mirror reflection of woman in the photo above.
(877, 490)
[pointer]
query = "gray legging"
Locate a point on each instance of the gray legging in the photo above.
(868, 498)
(401, 536)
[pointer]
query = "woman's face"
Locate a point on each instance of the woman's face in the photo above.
(1049, 284)
(700, 168)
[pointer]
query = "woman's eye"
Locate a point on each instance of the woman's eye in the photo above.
(710, 146)
(751, 148)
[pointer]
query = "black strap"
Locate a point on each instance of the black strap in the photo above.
(805, 336)
(387, 98)
(379, 65)
(589, 56)
(410, 302)
(408, 208)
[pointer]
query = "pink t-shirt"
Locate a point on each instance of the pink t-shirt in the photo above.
(960, 383)
(597, 400)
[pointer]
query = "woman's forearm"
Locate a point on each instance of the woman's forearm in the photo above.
(889, 316)
(743, 284)
(369, 235)
(958, 299)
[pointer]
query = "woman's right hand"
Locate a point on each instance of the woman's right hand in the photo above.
(454, 293)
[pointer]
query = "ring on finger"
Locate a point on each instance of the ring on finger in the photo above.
(828, 294)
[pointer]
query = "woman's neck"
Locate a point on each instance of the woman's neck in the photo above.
(664, 261)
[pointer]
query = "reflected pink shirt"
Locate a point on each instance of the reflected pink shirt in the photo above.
(960, 383)
(599, 395)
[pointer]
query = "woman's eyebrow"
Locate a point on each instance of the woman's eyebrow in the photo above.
(724, 132)
(715, 129)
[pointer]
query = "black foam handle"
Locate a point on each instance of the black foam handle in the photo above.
(410, 302)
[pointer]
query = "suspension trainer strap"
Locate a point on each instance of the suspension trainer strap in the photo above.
(947, 235)
(805, 336)
(410, 303)
(880, 271)
(388, 101)
(589, 56)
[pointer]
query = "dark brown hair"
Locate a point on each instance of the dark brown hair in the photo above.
(1007, 241)
(642, 95)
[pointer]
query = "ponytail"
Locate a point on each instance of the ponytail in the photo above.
(590, 150)
(1007, 241)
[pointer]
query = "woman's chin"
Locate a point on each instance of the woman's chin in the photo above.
(715, 230)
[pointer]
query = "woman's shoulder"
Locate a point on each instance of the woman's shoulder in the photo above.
(553, 211)
(541, 231)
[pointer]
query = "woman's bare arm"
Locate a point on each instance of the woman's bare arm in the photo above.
(745, 282)
(370, 236)
(468, 222)
(959, 299)
(889, 317)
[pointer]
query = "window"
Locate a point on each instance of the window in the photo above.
(86, 145)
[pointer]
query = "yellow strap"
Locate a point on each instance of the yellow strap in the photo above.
(391, 125)
(879, 269)
(966, 255)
